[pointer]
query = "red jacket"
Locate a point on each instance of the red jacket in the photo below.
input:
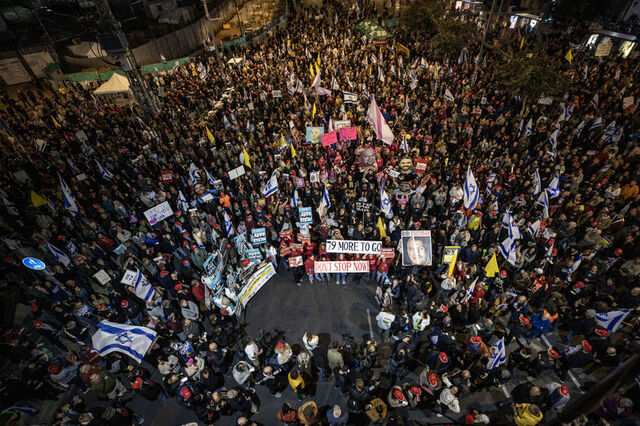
(308, 265)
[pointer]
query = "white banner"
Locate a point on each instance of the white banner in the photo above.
(354, 246)
(346, 266)
(129, 277)
(255, 282)
(158, 213)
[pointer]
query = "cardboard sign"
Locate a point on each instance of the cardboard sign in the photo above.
(449, 254)
(236, 173)
(347, 266)
(158, 213)
(354, 246)
(295, 261)
(102, 277)
(306, 215)
(348, 134)
(286, 234)
(329, 139)
(129, 277)
(388, 253)
(394, 173)
(421, 166)
(167, 176)
(258, 236)
(304, 238)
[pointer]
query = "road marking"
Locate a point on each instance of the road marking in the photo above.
(505, 390)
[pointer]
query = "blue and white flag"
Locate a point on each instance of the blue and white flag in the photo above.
(471, 191)
(594, 102)
(106, 174)
(520, 126)
(325, 202)
(380, 74)
(295, 199)
(509, 223)
(580, 127)
(534, 228)
(508, 250)
(498, 355)
(490, 181)
(130, 340)
(528, 129)
(404, 146)
(385, 203)
(250, 127)
(597, 123)
(60, 255)
(226, 121)
(183, 204)
(142, 288)
(549, 252)
(68, 198)
(71, 247)
(573, 268)
(194, 174)
(290, 88)
(554, 142)
(210, 177)
(609, 132)
(228, 225)
(10, 206)
(543, 200)
(448, 95)
(393, 72)
(350, 98)
(611, 321)
(272, 185)
(365, 91)
(406, 110)
(537, 183)
(554, 187)
(469, 291)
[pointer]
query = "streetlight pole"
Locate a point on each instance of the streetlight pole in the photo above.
(238, 15)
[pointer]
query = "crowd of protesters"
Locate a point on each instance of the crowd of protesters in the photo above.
(119, 162)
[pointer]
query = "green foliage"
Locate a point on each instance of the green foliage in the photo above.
(422, 16)
(452, 36)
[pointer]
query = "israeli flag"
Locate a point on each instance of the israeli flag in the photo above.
(60, 255)
(554, 187)
(393, 71)
(597, 123)
(130, 340)
(272, 185)
(10, 206)
(469, 291)
(528, 129)
(471, 191)
(380, 74)
(228, 225)
(490, 181)
(334, 84)
(609, 131)
(194, 174)
(106, 174)
(385, 203)
(543, 200)
(183, 204)
(350, 98)
(537, 183)
(423, 63)
(594, 102)
(250, 127)
(326, 201)
(295, 200)
(209, 176)
(498, 355)
(406, 105)
(225, 121)
(534, 228)
(142, 288)
(404, 146)
(290, 88)
(508, 222)
(554, 141)
(580, 127)
(573, 268)
(549, 252)
(508, 250)
(365, 91)
(519, 132)
(611, 321)
(68, 198)
(448, 95)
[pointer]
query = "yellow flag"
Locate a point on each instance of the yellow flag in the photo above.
(55, 123)
(402, 49)
(210, 135)
(369, 70)
(569, 55)
(452, 265)
(492, 267)
(293, 151)
(381, 229)
(247, 161)
(282, 141)
(37, 200)
(318, 60)
(521, 43)
(313, 111)
(311, 70)
(317, 70)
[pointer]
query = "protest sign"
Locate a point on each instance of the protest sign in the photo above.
(306, 215)
(416, 247)
(421, 166)
(348, 134)
(286, 234)
(258, 236)
(254, 255)
(102, 277)
(347, 266)
(329, 139)
(295, 261)
(129, 277)
(167, 176)
(314, 134)
(236, 173)
(158, 213)
(256, 282)
(354, 246)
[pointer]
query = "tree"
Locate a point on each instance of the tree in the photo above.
(422, 16)
(452, 36)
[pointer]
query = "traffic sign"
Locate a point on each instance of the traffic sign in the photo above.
(33, 263)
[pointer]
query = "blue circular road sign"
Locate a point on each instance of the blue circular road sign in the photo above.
(33, 263)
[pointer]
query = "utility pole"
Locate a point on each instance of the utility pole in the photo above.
(238, 15)
(114, 42)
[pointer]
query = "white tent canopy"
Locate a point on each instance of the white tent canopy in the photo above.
(116, 84)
